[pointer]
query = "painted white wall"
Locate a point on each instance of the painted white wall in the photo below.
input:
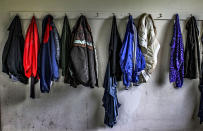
(154, 106)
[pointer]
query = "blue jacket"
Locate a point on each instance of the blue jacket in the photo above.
(132, 60)
(113, 74)
(49, 66)
(176, 69)
(110, 100)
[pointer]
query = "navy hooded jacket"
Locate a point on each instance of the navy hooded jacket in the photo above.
(48, 62)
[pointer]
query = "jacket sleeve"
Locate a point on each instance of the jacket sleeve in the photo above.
(126, 59)
(57, 42)
(27, 57)
(149, 45)
(142, 34)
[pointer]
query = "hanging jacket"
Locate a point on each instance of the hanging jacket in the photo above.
(176, 71)
(49, 66)
(31, 49)
(192, 50)
(30, 56)
(132, 60)
(200, 114)
(149, 45)
(65, 47)
(12, 57)
(114, 51)
(110, 101)
(83, 55)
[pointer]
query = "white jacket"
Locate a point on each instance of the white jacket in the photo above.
(149, 45)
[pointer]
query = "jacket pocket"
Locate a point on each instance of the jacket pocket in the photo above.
(80, 64)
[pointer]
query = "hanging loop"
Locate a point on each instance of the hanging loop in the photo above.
(160, 15)
(97, 14)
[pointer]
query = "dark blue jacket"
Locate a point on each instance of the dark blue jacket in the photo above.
(110, 101)
(49, 66)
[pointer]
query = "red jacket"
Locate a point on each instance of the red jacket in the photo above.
(31, 48)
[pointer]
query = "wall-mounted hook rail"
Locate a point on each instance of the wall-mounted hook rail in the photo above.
(165, 15)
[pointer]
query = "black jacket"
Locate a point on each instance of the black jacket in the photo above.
(112, 75)
(65, 47)
(114, 51)
(200, 114)
(12, 57)
(192, 50)
(49, 54)
(83, 55)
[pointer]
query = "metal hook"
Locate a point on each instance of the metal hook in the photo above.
(81, 13)
(97, 14)
(113, 14)
(160, 15)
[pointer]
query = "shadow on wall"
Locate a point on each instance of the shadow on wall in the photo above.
(102, 49)
(96, 115)
(13, 92)
(191, 119)
(3, 38)
(164, 53)
(195, 96)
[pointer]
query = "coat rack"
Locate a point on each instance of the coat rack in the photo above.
(26, 15)
(97, 15)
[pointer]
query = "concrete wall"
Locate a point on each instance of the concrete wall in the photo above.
(154, 106)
